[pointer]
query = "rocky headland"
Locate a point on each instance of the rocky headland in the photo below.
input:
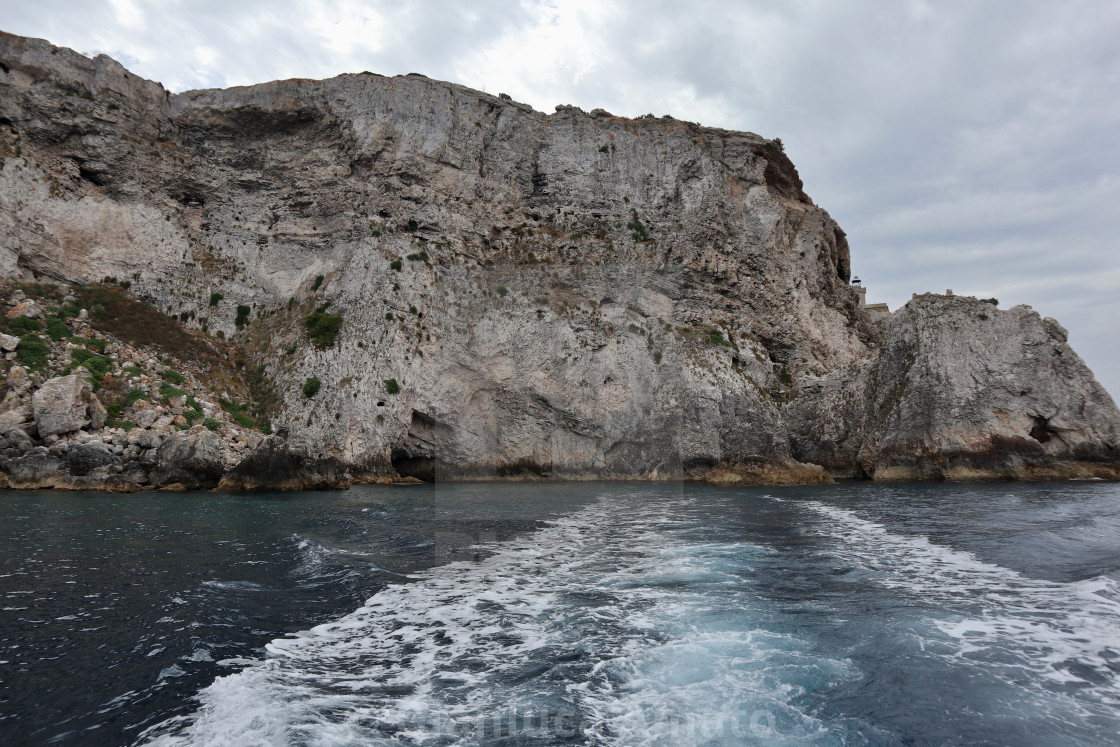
(308, 283)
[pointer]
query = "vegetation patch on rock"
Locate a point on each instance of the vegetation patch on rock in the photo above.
(322, 327)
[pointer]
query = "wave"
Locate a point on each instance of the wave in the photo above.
(606, 625)
(233, 585)
(982, 614)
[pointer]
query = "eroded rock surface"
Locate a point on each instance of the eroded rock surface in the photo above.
(520, 294)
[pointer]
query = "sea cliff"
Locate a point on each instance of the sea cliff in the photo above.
(405, 277)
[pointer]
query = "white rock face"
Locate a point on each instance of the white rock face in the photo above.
(563, 294)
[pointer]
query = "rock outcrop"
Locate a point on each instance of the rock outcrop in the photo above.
(192, 459)
(441, 283)
(61, 405)
(960, 389)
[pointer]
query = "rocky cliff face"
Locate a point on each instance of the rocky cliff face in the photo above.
(518, 293)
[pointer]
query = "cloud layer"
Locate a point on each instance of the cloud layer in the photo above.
(973, 146)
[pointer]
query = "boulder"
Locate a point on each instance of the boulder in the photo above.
(193, 458)
(11, 401)
(145, 418)
(8, 343)
(163, 423)
(35, 470)
(18, 380)
(26, 308)
(15, 417)
(61, 405)
(81, 459)
(150, 440)
(97, 414)
(18, 437)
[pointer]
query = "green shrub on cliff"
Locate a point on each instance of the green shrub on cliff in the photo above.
(32, 351)
(242, 317)
(57, 329)
(98, 365)
(638, 231)
(95, 364)
(716, 337)
(167, 391)
(21, 325)
(322, 327)
(311, 387)
(211, 424)
(392, 387)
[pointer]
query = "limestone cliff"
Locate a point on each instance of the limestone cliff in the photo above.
(515, 293)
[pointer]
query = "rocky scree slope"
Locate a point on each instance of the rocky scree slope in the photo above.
(482, 290)
(87, 403)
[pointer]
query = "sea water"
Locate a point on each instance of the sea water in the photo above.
(580, 613)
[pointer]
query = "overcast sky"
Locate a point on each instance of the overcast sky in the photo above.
(966, 145)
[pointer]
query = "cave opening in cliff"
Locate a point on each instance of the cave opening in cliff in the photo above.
(1042, 432)
(92, 177)
(410, 465)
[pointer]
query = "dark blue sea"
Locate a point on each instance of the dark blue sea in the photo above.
(564, 613)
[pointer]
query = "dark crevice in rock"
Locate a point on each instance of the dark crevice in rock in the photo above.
(781, 175)
(93, 177)
(1042, 432)
(843, 255)
(524, 468)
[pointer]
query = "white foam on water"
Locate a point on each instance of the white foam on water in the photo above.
(602, 622)
(994, 617)
(233, 585)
